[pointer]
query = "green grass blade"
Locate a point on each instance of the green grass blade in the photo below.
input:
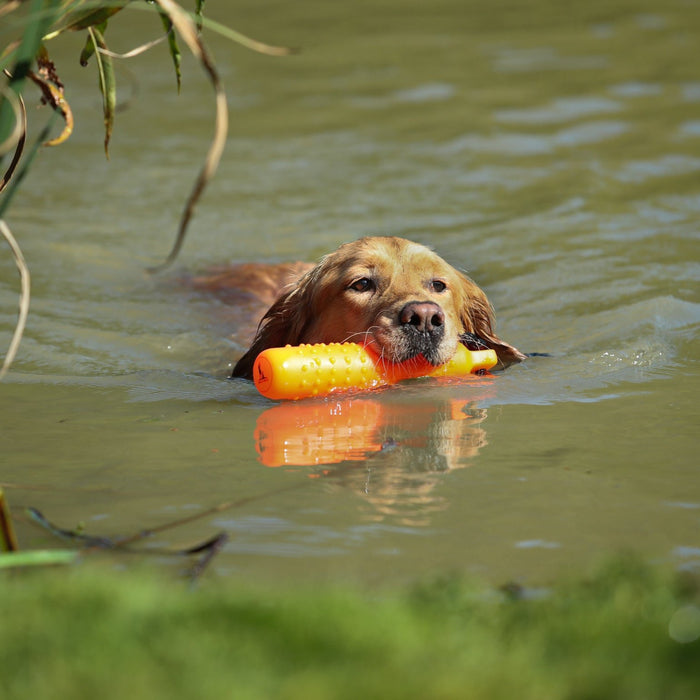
(88, 51)
(108, 87)
(173, 46)
(199, 14)
(38, 557)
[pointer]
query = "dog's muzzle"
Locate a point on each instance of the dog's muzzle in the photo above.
(422, 325)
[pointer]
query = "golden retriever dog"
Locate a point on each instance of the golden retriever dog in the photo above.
(398, 297)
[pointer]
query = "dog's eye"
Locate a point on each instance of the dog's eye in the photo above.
(438, 286)
(364, 284)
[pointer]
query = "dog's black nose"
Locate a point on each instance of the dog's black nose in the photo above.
(425, 316)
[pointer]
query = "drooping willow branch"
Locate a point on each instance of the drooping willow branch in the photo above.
(187, 29)
(47, 19)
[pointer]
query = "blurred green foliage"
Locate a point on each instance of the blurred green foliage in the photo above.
(628, 631)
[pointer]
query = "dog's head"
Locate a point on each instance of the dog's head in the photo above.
(398, 297)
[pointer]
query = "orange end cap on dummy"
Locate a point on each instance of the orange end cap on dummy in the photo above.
(302, 371)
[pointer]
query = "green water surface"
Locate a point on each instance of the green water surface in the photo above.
(551, 149)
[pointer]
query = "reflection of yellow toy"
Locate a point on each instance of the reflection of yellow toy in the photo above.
(352, 428)
(320, 432)
(296, 372)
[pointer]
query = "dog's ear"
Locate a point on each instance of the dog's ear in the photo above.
(477, 318)
(283, 324)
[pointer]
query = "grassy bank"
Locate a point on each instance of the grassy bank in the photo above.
(627, 632)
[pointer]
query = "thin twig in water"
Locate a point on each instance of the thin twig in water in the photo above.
(210, 550)
(70, 535)
(124, 543)
(203, 514)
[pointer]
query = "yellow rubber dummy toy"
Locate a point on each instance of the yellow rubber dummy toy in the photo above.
(297, 372)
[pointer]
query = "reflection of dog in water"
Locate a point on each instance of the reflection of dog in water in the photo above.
(391, 452)
(401, 299)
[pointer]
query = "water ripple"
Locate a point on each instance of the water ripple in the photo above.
(560, 110)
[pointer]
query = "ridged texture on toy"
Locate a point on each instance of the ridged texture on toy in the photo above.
(300, 371)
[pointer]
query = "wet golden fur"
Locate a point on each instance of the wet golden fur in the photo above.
(398, 296)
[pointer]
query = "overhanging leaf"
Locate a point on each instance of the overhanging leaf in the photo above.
(75, 18)
(40, 14)
(52, 91)
(174, 48)
(108, 88)
(187, 29)
(243, 40)
(198, 13)
(87, 52)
